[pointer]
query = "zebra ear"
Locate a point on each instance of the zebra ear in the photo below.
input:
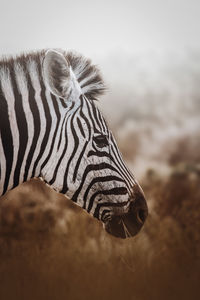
(56, 71)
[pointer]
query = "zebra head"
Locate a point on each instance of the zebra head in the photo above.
(87, 166)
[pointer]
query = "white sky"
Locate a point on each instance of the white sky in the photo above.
(98, 28)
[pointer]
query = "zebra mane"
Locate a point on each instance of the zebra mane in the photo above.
(87, 74)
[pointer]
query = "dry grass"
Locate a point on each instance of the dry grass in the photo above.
(51, 249)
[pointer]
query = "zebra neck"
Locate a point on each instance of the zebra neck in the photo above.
(29, 125)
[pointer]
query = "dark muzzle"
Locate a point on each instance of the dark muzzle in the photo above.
(130, 223)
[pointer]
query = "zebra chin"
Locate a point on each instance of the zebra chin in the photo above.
(129, 224)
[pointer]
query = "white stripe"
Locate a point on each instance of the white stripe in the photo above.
(52, 130)
(22, 87)
(32, 67)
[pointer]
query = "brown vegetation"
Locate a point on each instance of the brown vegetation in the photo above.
(51, 249)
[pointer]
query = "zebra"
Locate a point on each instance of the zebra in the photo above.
(52, 129)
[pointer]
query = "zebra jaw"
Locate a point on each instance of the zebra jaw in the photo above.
(122, 225)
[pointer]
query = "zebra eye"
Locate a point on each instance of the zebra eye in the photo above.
(101, 140)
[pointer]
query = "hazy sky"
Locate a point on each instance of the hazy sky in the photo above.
(100, 27)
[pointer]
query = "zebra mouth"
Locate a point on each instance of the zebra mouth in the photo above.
(122, 227)
(127, 225)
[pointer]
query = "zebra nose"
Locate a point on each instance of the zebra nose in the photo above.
(138, 207)
(130, 223)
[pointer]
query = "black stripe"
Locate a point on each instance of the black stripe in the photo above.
(66, 116)
(99, 153)
(88, 169)
(121, 161)
(80, 127)
(37, 125)
(48, 123)
(90, 116)
(60, 159)
(97, 127)
(94, 109)
(6, 137)
(76, 143)
(105, 211)
(22, 127)
(99, 180)
(108, 204)
(121, 166)
(63, 102)
(116, 153)
(55, 104)
(105, 154)
(63, 123)
(84, 117)
(79, 161)
(114, 191)
(103, 122)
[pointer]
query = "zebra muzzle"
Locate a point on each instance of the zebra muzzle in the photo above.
(129, 224)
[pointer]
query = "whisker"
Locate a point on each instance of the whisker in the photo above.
(127, 233)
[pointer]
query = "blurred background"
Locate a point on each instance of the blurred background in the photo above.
(149, 54)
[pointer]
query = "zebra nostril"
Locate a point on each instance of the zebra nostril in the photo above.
(141, 215)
